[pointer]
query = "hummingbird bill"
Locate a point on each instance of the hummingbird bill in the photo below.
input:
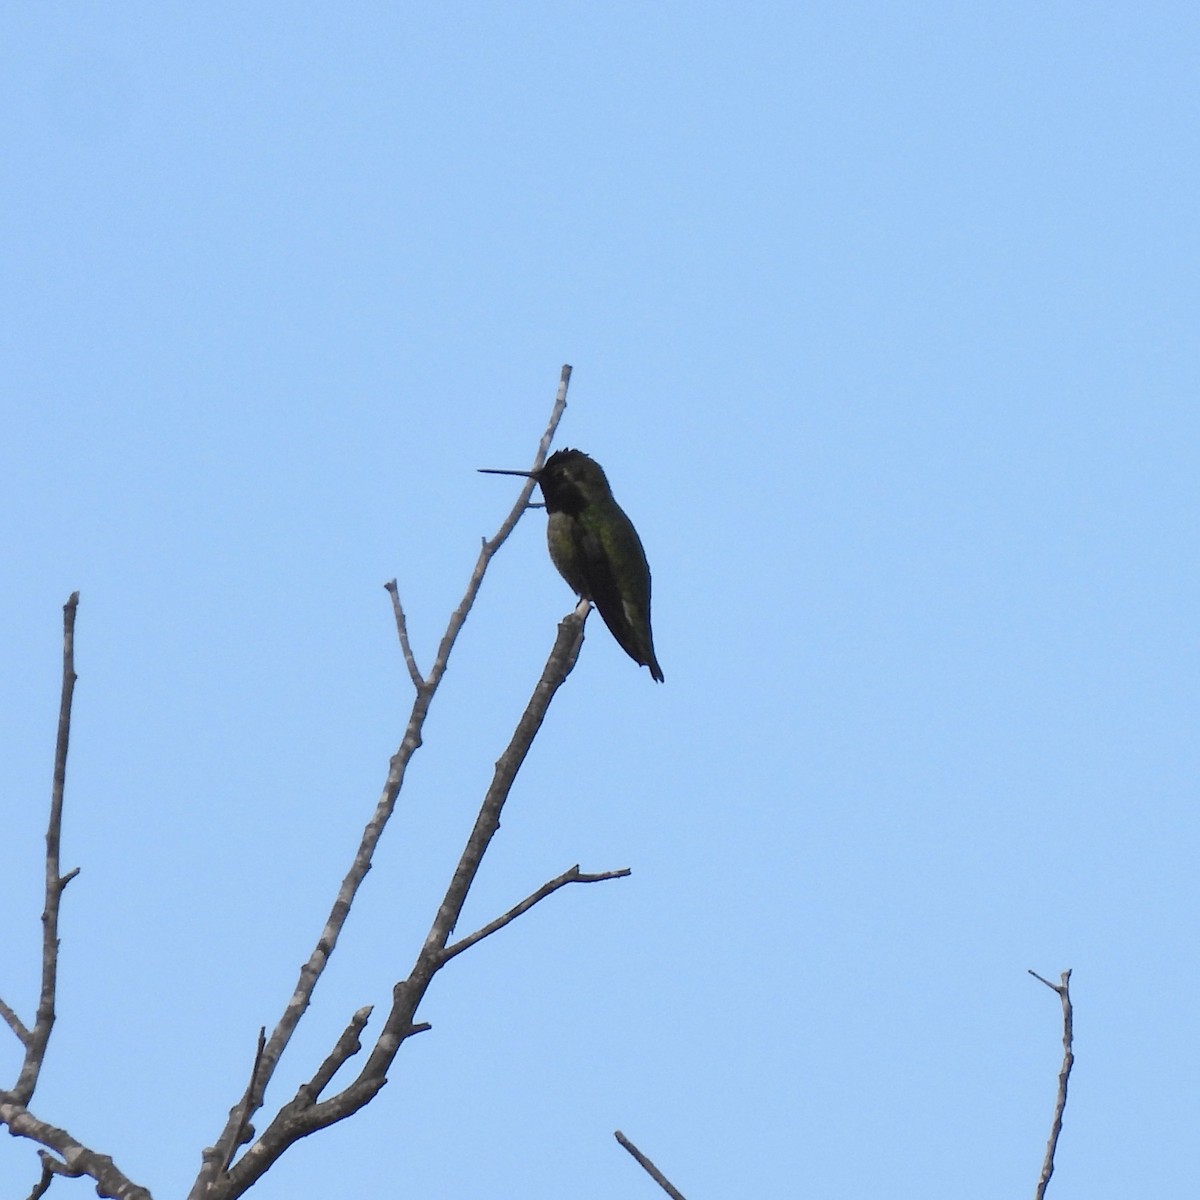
(596, 549)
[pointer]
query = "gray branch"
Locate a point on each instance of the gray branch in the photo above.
(73, 1158)
(410, 661)
(1064, 1075)
(37, 1039)
(305, 1113)
(650, 1169)
(572, 875)
(303, 1116)
(245, 1130)
(77, 1159)
(51, 1166)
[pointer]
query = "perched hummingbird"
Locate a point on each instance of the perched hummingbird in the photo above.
(596, 549)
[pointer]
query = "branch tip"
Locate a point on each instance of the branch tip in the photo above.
(1064, 994)
(38, 1037)
(414, 673)
(647, 1166)
(570, 875)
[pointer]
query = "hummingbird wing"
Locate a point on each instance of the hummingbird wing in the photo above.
(618, 579)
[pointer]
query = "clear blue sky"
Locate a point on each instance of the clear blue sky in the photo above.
(884, 324)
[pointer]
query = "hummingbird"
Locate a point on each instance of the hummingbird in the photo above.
(596, 549)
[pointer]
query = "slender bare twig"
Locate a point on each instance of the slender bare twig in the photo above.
(50, 1167)
(572, 875)
(15, 1024)
(344, 1049)
(418, 680)
(1063, 988)
(244, 1130)
(205, 1187)
(43, 1184)
(300, 1117)
(650, 1169)
(73, 1157)
(37, 1039)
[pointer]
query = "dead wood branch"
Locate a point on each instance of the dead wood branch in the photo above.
(1064, 1075)
(650, 1169)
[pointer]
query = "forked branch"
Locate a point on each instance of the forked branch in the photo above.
(50, 1167)
(222, 1150)
(111, 1183)
(305, 1114)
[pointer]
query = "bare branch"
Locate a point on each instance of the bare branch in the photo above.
(1064, 1075)
(558, 666)
(50, 1167)
(73, 1157)
(301, 1117)
(111, 1183)
(345, 1048)
(205, 1184)
(244, 1131)
(573, 875)
(489, 548)
(38, 1038)
(15, 1024)
(650, 1169)
(43, 1184)
(418, 680)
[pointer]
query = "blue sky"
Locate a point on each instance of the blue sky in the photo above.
(883, 321)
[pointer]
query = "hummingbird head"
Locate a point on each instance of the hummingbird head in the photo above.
(569, 480)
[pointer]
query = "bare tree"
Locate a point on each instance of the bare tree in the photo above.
(240, 1155)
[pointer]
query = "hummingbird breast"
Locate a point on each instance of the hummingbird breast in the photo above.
(563, 537)
(600, 555)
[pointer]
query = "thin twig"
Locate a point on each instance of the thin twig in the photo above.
(73, 1157)
(15, 1023)
(43, 1184)
(573, 875)
(1064, 1075)
(344, 1049)
(244, 1131)
(298, 1119)
(51, 1166)
(650, 1169)
(204, 1187)
(418, 680)
(39, 1036)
